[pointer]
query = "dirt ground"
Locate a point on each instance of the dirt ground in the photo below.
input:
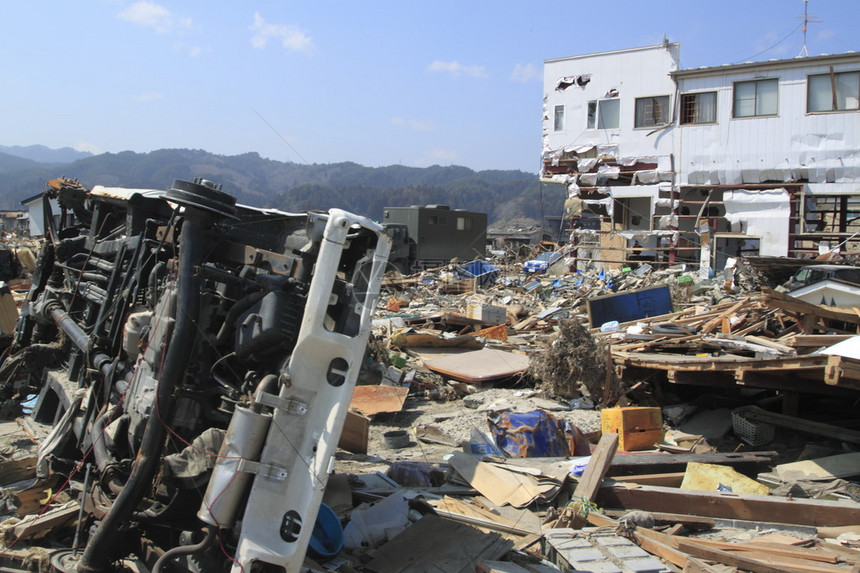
(455, 420)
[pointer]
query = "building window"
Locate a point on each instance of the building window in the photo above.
(755, 98)
(834, 92)
(464, 224)
(558, 121)
(604, 114)
(699, 108)
(651, 111)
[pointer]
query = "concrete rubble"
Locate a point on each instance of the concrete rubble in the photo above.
(719, 435)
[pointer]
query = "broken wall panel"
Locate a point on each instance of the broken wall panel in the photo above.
(762, 214)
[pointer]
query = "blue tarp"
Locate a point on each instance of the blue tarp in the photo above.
(484, 272)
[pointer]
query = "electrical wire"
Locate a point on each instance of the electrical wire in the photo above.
(769, 48)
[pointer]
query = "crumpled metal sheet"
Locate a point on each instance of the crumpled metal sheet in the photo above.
(537, 434)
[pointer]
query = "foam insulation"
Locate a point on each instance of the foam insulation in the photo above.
(667, 222)
(610, 150)
(588, 179)
(762, 214)
(609, 171)
(586, 163)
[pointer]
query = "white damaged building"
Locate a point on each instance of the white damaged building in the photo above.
(702, 165)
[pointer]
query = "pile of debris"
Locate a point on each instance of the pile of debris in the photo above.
(679, 489)
(572, 420)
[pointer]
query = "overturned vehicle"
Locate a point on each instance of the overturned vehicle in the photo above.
(191, 361)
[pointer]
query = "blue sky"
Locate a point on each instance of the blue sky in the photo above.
(377, 83)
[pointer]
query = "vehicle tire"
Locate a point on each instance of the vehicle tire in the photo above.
(677, 329)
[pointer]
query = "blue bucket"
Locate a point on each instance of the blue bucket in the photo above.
(327, 537)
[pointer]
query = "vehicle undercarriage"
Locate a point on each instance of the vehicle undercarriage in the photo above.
(194, 359)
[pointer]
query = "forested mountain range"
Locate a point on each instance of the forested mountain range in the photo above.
(261, 182)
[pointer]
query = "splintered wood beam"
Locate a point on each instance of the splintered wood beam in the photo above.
(745, 462)
(595, 471)
(758, 564)
(768, 509)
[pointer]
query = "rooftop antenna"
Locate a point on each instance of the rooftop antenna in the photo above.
(807, 19)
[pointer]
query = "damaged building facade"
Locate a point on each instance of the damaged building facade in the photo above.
(702, 165)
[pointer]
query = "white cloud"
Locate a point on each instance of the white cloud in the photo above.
(415, 124)
(525, 73)
(196, 51)
(155, 16)
(148, 97)
(86, 146)
(291, 37)
(438, 157)
(456, 69)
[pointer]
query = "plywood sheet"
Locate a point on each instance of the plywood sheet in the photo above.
(480, 366)
(370, 400)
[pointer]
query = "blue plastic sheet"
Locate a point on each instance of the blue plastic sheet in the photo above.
(537, 434)
(484, 272)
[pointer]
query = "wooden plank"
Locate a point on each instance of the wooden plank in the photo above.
(668, 479)
(776, 509)
(595, 471)
(761, 565)
(747, 462)
(34, 526)
(775, 549)
(695, 565)
(817, 340)
(717, 321)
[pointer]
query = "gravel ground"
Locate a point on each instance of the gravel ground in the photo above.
(455, 420)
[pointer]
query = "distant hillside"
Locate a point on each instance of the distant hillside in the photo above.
(12, 163)
(261, 182)
(43, 154)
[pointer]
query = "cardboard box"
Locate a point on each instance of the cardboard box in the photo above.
(486, 313)
(637, 428)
